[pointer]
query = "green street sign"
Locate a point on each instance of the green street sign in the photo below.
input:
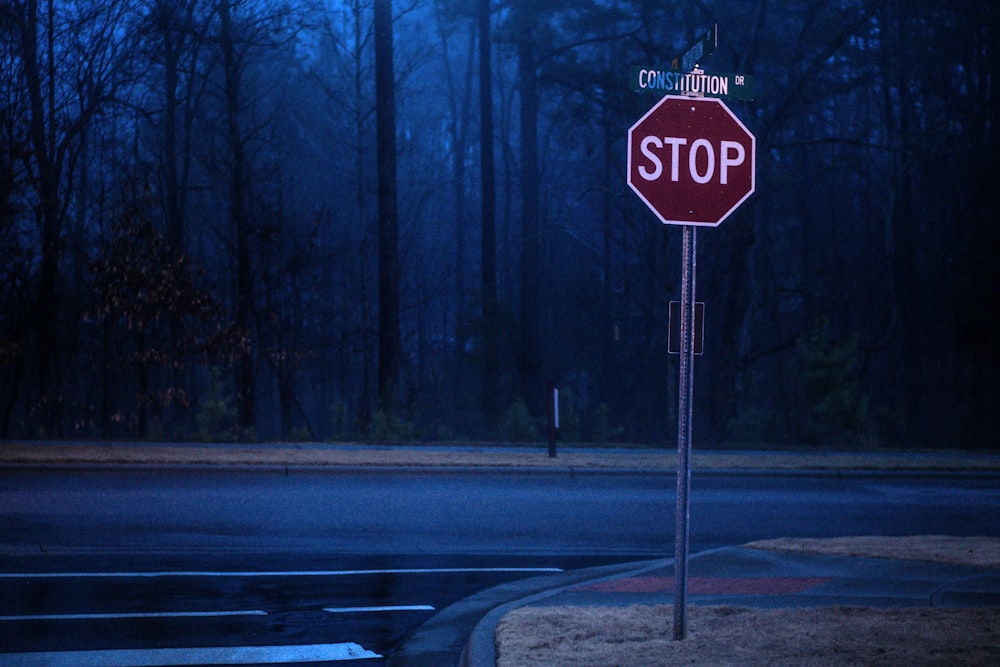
(700, 49)
(673, 82)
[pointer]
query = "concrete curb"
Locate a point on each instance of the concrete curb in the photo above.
(480, 650)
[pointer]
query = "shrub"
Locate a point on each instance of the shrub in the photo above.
(517, 425)
(835, 408)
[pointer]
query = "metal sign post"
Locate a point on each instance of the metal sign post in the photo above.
(684, 416)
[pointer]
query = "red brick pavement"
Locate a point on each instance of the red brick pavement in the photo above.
(710, 585)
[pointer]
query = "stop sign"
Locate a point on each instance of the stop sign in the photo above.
(691, 160)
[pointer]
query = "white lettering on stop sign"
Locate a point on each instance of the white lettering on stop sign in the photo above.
(731, 154)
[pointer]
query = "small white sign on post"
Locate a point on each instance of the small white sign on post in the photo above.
(555, 409)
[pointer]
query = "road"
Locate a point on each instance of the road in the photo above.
(182, 565)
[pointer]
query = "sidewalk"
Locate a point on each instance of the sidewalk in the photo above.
(747, 577)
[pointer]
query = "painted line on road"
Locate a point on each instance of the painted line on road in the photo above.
(370, 610)
(139, 614)
(220, 655)
(274, 573)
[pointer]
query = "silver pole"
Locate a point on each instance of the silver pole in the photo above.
(684, 415)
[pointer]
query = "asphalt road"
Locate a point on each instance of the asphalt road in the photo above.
(343, 565)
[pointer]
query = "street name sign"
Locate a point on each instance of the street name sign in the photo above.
(667, 81)
(691, 160)
(700, 49)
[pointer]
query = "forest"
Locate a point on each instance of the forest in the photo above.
(383, 221)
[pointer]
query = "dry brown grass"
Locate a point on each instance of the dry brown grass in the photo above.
(640, 636)
(979, 551)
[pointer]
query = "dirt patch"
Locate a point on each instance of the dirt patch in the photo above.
(976, 551)
(641, 635)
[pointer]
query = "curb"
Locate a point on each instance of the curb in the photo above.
(480, 649)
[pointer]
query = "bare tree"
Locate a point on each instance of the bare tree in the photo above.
(488, 254)
(390, 344)
(68, 81)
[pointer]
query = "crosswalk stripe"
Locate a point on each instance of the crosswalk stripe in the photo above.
(370, 610)
(136, 614)
(175, 657)
(269, 573)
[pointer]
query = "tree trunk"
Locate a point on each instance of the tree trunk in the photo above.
(529, 361)
(43, 143)
(171, 75)
(245, 395)
(491, 354)
(904, 368)
(389, 343)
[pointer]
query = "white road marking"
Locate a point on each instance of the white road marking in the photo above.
(270, 573)
(220, 655)
(139, 614)
(371, 610)
(202, 614)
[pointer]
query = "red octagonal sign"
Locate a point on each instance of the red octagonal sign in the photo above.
(691, 160)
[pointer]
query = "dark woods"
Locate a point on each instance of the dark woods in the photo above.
(234, 219)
